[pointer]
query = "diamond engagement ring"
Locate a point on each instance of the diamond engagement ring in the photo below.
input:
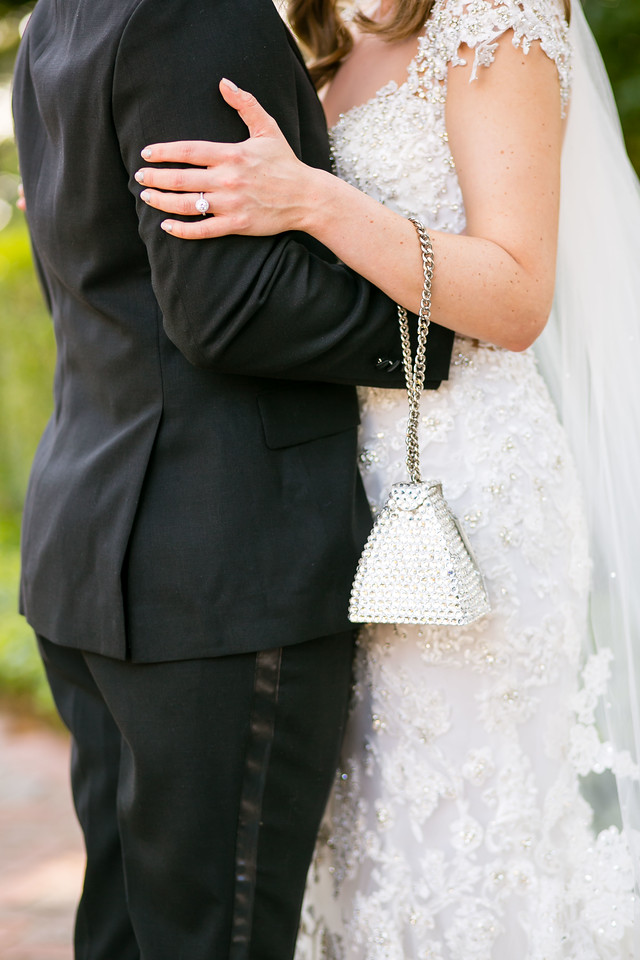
(202, 205)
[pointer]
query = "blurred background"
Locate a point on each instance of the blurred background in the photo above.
(26, 341)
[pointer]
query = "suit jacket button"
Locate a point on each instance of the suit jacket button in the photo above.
(384, 363)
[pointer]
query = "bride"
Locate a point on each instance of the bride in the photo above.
(457, 829)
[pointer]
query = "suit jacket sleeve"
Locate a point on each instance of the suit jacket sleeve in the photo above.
(272, 306)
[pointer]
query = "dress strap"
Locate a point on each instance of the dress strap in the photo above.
(480, 24)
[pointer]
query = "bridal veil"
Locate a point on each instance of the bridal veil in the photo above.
(589, 355)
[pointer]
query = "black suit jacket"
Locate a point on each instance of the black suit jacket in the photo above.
(195, 492)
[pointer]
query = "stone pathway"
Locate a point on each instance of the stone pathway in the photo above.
(41, 854)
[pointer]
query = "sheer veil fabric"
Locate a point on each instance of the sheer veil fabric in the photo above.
(589, 354)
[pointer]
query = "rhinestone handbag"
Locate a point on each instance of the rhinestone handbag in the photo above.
(417, 565)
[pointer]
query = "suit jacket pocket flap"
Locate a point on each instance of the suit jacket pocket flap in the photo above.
(298, 412)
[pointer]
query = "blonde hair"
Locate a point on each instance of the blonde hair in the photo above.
(320, 27)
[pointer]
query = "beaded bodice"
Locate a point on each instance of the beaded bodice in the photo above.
(395, 146)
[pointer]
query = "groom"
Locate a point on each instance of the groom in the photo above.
(194, 514)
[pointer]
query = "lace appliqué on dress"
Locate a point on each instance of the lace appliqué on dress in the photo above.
(523, 876)
(479, 24)
(457, 828)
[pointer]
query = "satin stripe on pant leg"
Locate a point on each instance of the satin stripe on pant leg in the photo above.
(262, 727)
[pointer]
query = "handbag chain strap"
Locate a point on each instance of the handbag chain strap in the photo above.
(415, 373)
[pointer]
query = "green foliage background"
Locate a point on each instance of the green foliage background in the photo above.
(27, 346)
(616, 25)
(26, 367)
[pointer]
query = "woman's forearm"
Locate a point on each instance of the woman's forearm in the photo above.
(479, 289)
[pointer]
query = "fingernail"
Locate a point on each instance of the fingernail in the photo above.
(146, 153)
(230, 84)
(167, 225)
(139, 176)
(145, 195)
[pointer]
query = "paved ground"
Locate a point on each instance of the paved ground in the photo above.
(41, 858)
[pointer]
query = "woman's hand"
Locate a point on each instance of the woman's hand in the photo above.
(257, 187)
(21, 203)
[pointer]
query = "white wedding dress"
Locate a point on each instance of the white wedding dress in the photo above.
(456, 829)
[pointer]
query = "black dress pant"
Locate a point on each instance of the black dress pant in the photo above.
(199, 785)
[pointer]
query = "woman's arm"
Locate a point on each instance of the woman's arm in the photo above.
(505, 131)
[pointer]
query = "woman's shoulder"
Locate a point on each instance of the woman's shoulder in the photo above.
(479, 24)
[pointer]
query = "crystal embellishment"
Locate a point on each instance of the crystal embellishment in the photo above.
(417, 566)
(202, 204)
